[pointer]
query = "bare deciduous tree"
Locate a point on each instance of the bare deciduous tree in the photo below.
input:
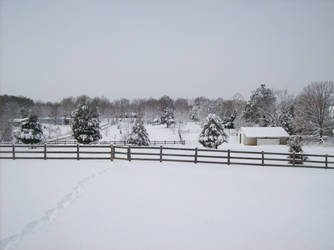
(314, 109)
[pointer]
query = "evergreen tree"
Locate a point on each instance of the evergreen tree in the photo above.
(139, 135)
(287, 119)
(228, 122)
(213, 133)
(85, 124)
(167, 117)
(30, 131)
(259, 106)
(194, 116)
(295, 146)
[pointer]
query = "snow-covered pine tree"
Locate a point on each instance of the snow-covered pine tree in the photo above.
(194, 116)
(295, 146)
(259, 107)
(228, 122)
(213, 133)
(167, 117)
(85, 124)
(139, 135)
(30, 131)
(286, 120)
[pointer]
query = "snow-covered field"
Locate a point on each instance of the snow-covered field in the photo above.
(53, 131)
(143, 205)
(120, 132)
(139, 205)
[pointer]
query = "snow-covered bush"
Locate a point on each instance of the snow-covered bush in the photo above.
(139, 135)
(85, 124)
(213, 133)
(30, 131)
(295, 146)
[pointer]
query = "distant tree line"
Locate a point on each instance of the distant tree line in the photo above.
(311, 112)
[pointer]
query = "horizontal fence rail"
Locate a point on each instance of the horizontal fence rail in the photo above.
(125, 143)
(163, 142)
(163, 153)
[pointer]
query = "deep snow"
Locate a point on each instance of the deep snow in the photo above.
(139, 205)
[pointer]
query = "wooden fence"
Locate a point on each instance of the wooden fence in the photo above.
(167, 154)
(162, 142)
(124, 143)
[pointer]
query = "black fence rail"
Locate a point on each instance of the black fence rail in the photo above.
(163, 154)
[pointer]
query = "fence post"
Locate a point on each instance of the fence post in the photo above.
(112, 152)
(13, 150)
(160, 153)
(129, 153)
(326, 161)
(44, 151)
(196, 152)
(294, 159)
(78, 156)
(262, 159)
(228, 157)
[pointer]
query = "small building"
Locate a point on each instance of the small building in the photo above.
(262, 136)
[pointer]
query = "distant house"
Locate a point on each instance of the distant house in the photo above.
(262, 136)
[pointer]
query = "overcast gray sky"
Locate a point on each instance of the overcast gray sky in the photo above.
(54, 49)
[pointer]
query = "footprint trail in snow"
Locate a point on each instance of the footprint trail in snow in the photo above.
(50, 214)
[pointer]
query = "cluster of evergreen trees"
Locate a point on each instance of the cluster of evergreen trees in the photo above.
(85, 126)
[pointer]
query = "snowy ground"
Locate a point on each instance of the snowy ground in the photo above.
(51, 131)
(139, 205)
(120, 132)
(190, 133)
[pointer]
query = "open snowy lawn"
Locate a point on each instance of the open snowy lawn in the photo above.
(78, 205)
(120, 132)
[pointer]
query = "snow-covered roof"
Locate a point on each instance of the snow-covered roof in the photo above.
(262, 132)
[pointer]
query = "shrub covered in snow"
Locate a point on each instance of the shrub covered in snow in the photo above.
(295, 146)
(213, 133)
(30, 131)
(85, 124)
(139, 135)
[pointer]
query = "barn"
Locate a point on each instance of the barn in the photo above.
(262, 136)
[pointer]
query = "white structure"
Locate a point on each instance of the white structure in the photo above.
(262, 136)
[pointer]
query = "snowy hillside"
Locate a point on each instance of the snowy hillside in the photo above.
(101, 205)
